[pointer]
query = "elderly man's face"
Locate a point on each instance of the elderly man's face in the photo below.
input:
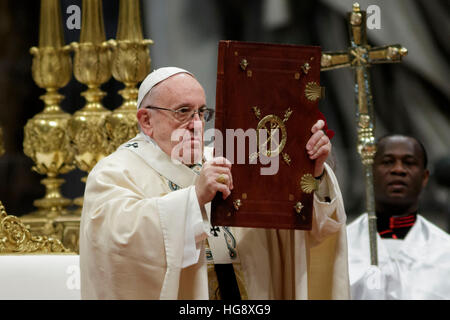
(399, 173)
(175, 137)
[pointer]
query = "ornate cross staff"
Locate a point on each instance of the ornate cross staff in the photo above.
(360, 56)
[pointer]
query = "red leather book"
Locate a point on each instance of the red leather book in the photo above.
(274, 87)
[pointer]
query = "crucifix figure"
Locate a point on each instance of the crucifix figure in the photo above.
(360, 56)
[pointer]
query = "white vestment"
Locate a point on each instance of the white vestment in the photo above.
(417, 267)
(140, 238)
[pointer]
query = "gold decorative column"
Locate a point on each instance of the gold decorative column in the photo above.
(92, 67)
(130, 65)
(46, 140)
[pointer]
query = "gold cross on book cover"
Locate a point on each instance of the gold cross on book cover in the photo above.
(266, 103)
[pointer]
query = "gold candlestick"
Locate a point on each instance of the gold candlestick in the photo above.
(91, 67)
(130, 65)
(45, 140)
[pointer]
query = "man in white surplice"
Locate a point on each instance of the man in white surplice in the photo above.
(413, 253)
(145, 231)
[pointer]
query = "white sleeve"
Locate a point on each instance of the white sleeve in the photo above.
(119, 217)
(196, 226)
(328, 217)
(132, 234)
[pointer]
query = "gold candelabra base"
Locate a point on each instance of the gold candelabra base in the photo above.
(53, 204)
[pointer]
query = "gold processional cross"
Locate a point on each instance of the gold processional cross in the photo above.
(360, 56)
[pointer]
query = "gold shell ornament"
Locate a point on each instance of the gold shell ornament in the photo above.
(313, 91)
(308, 184)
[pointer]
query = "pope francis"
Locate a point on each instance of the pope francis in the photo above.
(145, 230)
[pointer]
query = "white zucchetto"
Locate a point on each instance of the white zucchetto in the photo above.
(156, 77)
